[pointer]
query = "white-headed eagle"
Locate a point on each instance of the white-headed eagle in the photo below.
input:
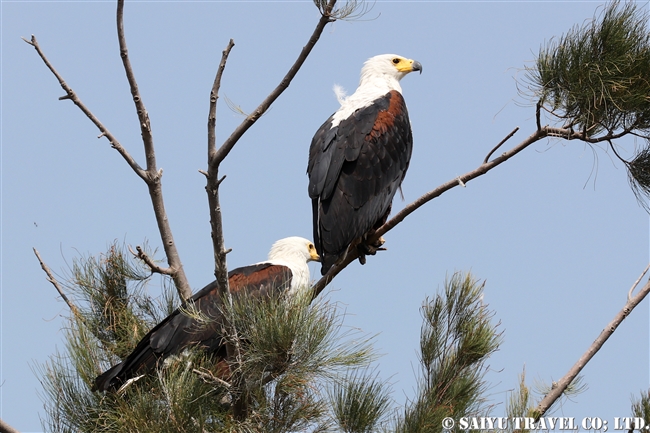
(358, 159)
(285, 268)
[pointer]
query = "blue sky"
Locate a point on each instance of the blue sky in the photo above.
(556, 232)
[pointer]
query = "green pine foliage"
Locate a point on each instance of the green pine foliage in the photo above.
(456, 340)
(290, 349)
(596, 77)
(360, 403)
(641, 408)
(295, 368)
(519, 403)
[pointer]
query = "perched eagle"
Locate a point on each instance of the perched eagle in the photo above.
(358, 159)
(285, 267)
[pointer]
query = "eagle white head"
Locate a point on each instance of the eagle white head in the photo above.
(379, 75)
(294, 252)
(389, 68)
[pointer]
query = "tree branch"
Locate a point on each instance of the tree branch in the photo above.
(563, 383)
(151, 176)
(213, 182)
(215, 157)
(55, 283)
(226, 147)
(214, 95)
(71, 95)
(152, 265)
(352, 253)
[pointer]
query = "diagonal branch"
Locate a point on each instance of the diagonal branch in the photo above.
(149, 262)
(352, 253)
(216, 156)
(71, 95)
(6, 428)
(143, 115)
(226, 147)
(214, 95)
(563, 383)
(55, 283)
(151, 175)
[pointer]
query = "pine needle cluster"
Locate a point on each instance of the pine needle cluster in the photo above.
(296, 368)
(641, 408)
(457, 338)
(290, 352)
(596, 77)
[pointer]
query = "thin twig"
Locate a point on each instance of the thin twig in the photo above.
(507, 137)
(143, 116)
(230, 142)
(352, 253)
(563, 383)
(208, 377)
(55, 283)
(152, 265)
(70, 94)
(636, 283)
(214, 95)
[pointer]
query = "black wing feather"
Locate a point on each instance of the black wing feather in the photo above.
(180, 330)
(354, 172)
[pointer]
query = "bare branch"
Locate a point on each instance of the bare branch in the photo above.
(55, 283)
(207, 376)
(70, 94)
(636, 283)
(352, 253)
(507, 137)
(230, 142)
(152, 265)
(213, 183)
(563, 383)
(153, 175)
(214, 95)
(143, 116)
(215, 157)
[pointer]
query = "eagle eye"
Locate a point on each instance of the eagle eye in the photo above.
(395, 60)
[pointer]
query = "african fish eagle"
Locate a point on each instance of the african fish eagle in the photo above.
(358, 159)
(286, 267)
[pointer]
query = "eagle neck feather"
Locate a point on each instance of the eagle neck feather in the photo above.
(372, 86)
(294, 259)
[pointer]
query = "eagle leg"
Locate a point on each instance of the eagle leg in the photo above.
(369, 249)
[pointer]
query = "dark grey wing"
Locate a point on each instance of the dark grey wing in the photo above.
(354, 176)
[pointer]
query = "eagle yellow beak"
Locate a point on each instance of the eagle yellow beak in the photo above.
(408, 65)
